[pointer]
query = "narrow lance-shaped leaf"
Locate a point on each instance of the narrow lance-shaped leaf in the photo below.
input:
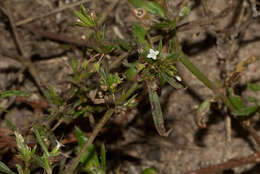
(103, 158)
(19, 169)
(253, 87)
(160, 46)
(12, 93)
(157, 112)
(81, 138)
(103, 75)
(83, 18)
(10, 125)
(5, 169)
(253, 100)
(41, 141)
(90, 159)
(184, 11)
(203, 109)
(22, 147)
(170, 80)
(246, 111)
(139, 32)
(86, 20)
(236, 101)
(149, 171)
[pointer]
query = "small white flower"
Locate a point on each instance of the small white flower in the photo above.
(152, 54)
(59, 145)
(178, 78)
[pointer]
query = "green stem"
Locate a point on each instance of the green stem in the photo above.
(27, 167)
(91, 139)
(195, 71)
(220, 93)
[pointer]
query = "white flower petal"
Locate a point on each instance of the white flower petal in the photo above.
(152, 54)
(178, 78)
(149, 56)
(59, 144)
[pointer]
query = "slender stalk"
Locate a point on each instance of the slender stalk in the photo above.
(27, 167)
(220, 93)
(195, 71)
(91, 139)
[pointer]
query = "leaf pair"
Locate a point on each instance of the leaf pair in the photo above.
(237, 102)
(90, 161)
(86, 20)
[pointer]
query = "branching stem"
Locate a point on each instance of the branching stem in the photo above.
(91, 139)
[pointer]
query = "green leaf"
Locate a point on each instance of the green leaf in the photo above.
(89, 160)
(9, 93)
(151, 6)
(103, 157)
(19, 169)
(103, 75)
(5, 169)
(203, 109)
(160, 46)
(104, 33)
(170, 80)
(246, 111)
(74, 64)
(253, 87)
(161, 25)
(3, 109)
(185, 11)
(45, 163)
(131, 73)
(81, 138)
(52, 97)
(10, 125)
(165, 24)
(80, 24)
(131, 102)
(139, 32)
(23, 149)
(236, 101)
(149, 171)
(38, 160)
(41, 141)
(86, 20)
(156, 111)
(83, 10)
(253, 100)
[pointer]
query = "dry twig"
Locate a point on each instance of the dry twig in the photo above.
(65, 7)
(227, 165)
(107, 11)
(23, 58)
